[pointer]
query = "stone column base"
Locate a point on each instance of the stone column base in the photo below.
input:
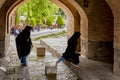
(116, 68)
(97, 50)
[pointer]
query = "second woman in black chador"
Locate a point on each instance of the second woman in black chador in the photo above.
(70, 53)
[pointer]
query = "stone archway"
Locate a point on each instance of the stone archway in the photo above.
(89, 19)
(96, 27)
(71, 12)
(99, 30)
(95, 22)
(9, 6)
(97, 41)
(114, 5)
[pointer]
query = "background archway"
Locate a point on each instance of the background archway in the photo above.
(72, 15)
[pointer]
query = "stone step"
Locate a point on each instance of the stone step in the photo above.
(50, 71)
(40, 51)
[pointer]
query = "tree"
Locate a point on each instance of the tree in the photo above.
(17, 20)
(60, 21)
(49, 22)
(34, 22)
(39, 9)
(60, 12)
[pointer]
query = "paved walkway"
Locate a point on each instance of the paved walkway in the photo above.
(36, 65)
(88, 69)
(44, 32)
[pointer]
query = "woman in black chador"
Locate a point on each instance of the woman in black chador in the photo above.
(23, 44)
(71, 54)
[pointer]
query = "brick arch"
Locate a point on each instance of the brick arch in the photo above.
(5, 10)
(73, 16)
(95, 22)
(114, 5)
(70, 17)
(89, 19)
(79, 16)
(98, 42)
(11, 5)
(68, 8)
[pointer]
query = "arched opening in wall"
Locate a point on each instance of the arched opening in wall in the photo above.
(49, 17)
(101, 31)
(106, 33)
(116, 36)
(70, 22)
(17, 18)
(83, 27)
(70, 19)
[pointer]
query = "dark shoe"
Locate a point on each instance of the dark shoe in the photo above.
(21, 64)
(24, 65)
(76, 65)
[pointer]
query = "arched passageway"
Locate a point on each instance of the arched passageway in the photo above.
(116, 44)
(97, 21)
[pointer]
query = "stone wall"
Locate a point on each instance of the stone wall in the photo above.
(1, 49)
(114, 5)
(97, 32)
(99, 50)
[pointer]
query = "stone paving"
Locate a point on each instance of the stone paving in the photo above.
(88, 69)
(36, 66)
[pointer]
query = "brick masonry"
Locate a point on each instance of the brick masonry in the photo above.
(97, 49)
(103, 25)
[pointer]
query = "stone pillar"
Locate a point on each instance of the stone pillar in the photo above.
(2, 54)
(97, 50)
(40, 51)
(77, 28)
(2, 33)
(116, 67)
(51, 72)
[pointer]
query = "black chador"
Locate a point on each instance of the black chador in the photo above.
(23, 42)
(70, 53)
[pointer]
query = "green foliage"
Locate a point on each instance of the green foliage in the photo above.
(39, 21)
(29, 21)
(49, 22)
(60, 12)
(60, 20)
(22, 10)
(34, 22)
(51, 17)
(17, 20)
(38, 9)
